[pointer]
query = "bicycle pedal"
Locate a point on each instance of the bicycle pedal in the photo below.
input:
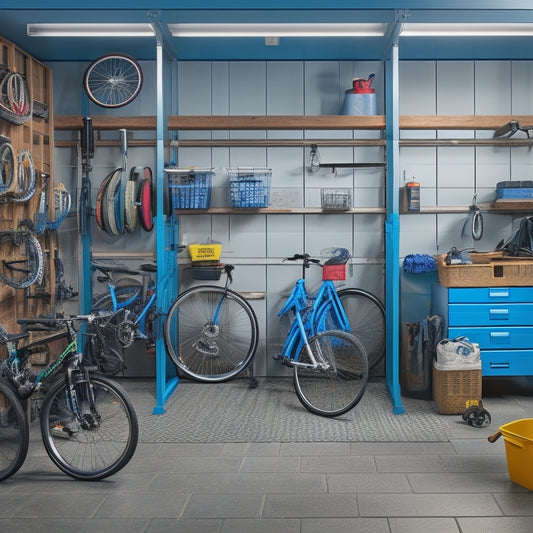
(62, 432)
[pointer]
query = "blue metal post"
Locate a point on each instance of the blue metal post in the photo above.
(392, 231)
(165, 248)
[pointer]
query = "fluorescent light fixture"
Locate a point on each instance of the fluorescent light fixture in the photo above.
(497, 29)
(89, 30)
(277, 30)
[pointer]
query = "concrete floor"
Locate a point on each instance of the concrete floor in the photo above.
(458, 486)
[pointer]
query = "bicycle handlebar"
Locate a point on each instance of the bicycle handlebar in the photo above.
(306, 258)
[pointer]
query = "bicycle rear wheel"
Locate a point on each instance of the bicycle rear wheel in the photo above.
(113, 80)
(98, 442)
(338, 384)
(205, 350)
(366, 315)
(14, 433)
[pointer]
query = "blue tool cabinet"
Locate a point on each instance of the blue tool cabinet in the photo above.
(500, 319)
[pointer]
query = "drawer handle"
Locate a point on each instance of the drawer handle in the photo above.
(500, 337)
(500, 365)
(499, 314)
(498, 293)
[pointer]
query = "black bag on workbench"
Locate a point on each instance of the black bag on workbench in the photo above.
(521, 242)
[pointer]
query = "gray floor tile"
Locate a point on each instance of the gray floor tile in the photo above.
(243, 482)
(474, 463)
(167, 525)
(477, 446)
(424, 525)
(409, 463)
(457, 482)
(251, 449)
(496, 525)
(427, 505)
(270, 464)
(315, 448)
(224, 506)
(520, 504)
(143, 505)
(47, 505)
(344, 525)
(191, 465)
(361, 483)
(68, 525)
(338, 464)
(401, 448)
(260, 526)
(310, 505)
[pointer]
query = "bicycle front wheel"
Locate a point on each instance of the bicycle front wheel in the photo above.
(206, 345)
(97, 440)
(366, 316)
(14, 433)
(113, 80)
(339, 382)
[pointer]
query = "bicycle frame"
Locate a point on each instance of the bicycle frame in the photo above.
(140, 320)
(25, 382)
(325, 303)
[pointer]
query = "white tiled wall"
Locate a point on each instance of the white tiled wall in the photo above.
(256, 244)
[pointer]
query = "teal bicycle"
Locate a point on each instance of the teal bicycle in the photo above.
(330, 365)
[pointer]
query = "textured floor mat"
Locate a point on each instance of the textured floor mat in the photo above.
(232, 412)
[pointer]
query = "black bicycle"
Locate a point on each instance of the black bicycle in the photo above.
(88, 424)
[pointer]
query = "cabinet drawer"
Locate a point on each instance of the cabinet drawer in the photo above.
(490, 294)
(512, 338)
(507, 362)
(512, 314)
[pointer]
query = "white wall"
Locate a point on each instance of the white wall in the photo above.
(256, 244)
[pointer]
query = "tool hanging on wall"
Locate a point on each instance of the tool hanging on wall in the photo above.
(474, 220)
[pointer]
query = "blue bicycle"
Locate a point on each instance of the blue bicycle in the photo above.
(330, 365)
(129, 309)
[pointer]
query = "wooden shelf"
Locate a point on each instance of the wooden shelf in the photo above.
(294, 122)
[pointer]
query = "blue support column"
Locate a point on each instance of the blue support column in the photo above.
(392, 231)
(166, 238)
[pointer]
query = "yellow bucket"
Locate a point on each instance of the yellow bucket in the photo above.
(518, 437)
(205, 252)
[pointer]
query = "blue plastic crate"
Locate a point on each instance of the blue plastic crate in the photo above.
(190, 189)
(250, 187)
(512, 193)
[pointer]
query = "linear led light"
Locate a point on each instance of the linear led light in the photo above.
(277, 30)
(496, 29)
(89, 30)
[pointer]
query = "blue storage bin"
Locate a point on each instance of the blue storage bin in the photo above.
(250, 187)
(190, 188)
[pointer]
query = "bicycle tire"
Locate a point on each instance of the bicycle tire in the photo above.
(366, 315)
(130, 202)
(14, 433)
(15, 102)
(26, 178)
(145, 200)
(338, 389)
(113, 80)
(7, 167)
(208, 352)
(103, 449)
(29, 267)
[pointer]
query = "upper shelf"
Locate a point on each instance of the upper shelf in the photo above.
(292, 122)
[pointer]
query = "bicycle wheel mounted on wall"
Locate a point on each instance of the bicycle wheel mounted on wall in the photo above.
(113, 80)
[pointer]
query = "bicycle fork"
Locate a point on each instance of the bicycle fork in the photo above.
(207, 344)
(87, 421)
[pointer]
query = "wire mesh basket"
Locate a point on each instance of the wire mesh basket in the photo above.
(336, 199)
(190, 188)
(250, 186)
